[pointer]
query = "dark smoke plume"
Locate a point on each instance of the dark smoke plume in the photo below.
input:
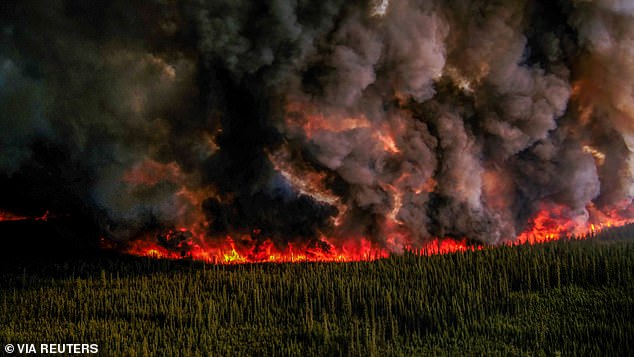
(288, 119)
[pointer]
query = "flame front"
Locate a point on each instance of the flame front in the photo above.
(322, 250)
(246, 250)
(545, 226)
(550, 223)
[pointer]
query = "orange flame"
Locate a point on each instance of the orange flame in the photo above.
(321, 250)
(228, 251)
(304, 119)
(550, 223)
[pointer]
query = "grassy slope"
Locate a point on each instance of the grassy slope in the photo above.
(568, 297)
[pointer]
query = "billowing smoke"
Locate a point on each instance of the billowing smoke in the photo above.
(398, 121)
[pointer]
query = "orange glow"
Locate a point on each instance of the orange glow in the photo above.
(228, 251)
(546, 226)
(550, 223)
(388, 142)
(307, 181)
(310, 120)
(247, 250)
(188, 198)
(8, 216)
(150, 172)
(582, 92)
(446, 246)
(304, 179)
(306, 120)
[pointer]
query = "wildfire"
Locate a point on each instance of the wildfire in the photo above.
(550, 223)
(553, 223)
(445, 246)
(246, 250)
(229, 251)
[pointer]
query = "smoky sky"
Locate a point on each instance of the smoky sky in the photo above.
(297, 118)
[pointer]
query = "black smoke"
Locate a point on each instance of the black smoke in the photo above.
(153, 115)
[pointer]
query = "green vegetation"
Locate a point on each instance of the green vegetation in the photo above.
(568, 298)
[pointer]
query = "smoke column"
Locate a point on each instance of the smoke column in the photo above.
(286, 120)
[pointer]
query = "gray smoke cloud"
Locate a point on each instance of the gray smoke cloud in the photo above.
(407, 119)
